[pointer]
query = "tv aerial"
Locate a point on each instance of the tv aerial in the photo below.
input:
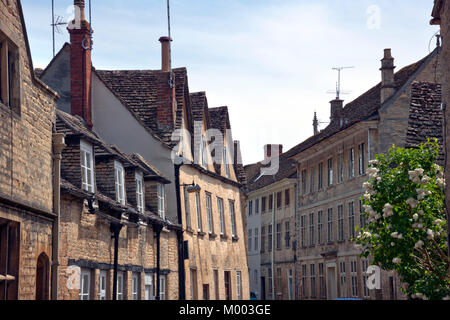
(338, 90)
(57, 21)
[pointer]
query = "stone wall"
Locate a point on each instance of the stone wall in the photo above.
(26, 156)
(209, 252)
(86, 242)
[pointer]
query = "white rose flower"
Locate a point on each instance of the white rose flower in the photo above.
(393, 244)
(430, 234)
(366, 196)
(415, 216)
(425, 180)
(394, 234)
(419, 171)
(437, 221)
(440, 182)
(372, 172)
(396, 260)
(373, 162)
(400, 236)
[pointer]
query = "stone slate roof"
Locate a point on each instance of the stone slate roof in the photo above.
(199, 107)
(138, 90)
(75, 125)
(425, 116)
(220, 119)
(365, 107)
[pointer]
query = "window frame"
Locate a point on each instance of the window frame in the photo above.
(221, 209)
(161, 192)
(10, 90)
(102, 280)
(209, 212)
(351, 163)
(135, 286)
(140, 194)
(199, 212)
(330, 172)
(119, 178)
(340, 219)
(120, 294)
(82, 294)
(361, 159)
(232, 218)
(87, 174)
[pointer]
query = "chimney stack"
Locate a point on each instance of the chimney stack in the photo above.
(336, 108)
(315, 124)
(165, 54)
(80, 67)
(268, 150)
(387, 76)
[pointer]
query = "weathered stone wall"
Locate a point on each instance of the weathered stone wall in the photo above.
(26, 155)
(86, 242)
(214, 252)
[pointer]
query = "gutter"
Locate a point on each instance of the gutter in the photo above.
(273, 244)
(58, 146)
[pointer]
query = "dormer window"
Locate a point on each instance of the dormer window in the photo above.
(225, 162)
(140, 192)
(119, 182)
(87, 166)
(161, 201)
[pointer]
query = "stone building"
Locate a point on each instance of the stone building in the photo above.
(441, 17)
(27, 213)
(152, 112)
(332, 168)
(271, 207)
(327, 172)
(110, 231)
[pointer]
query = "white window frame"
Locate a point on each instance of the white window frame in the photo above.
(312, 277)
(364, 275)
(102, 283)
(87, 169)
(233, 218)
(221, 208)
(85, 283)
(340, 219)
(199, 212)
(290, 282)
(209, 212)
(361, 159)
(161, 200)
(351, 163)
(187, 209)
(330, 225)
(351, 220)
(330, 171)
(120, 286)
(149, 287)
(340, 164)
(239, 284)
(162, 287)
(140, 203)
(320, 227)
(342, 279)
(135, 286)
(354, 278)
(119, 177)
(256, 239)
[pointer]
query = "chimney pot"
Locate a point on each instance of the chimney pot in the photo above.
(165, 53)
(387, 76)
(268, 150)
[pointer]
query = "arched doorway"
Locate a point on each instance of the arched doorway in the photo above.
(42, 277)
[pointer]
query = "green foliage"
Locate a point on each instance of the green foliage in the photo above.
(406, 228)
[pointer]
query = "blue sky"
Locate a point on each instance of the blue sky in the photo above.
(269, 61)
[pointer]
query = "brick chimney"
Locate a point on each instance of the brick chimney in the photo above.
(166, 97)
(165, 53)
(336, 108)
(315, 124)
(80, 67)
(387, 76)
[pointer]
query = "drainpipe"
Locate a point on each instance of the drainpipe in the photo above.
(181, 271)
(58, 146)
(273, 244)
(115, 230)
(296, 235)
(158, 229)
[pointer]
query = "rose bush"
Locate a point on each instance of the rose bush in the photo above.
(406, 228)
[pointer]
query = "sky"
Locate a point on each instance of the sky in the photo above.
(269, 61)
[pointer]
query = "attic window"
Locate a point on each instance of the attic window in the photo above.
(9, 74)
(119, 182)
(139, 192)
(87, 167)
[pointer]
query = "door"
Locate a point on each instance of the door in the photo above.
(263, 288)
(42, 277)
(331, 283)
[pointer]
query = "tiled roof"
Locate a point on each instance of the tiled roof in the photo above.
(75, 125)
(425, 116)
(220, 119)
(287, 169)
(138, 90)
(364, 107)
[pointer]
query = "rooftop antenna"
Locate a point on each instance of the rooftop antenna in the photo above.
(170, 45)
(56, 22)
(338, 83)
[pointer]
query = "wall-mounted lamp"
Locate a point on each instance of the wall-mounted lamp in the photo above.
(192, 188)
